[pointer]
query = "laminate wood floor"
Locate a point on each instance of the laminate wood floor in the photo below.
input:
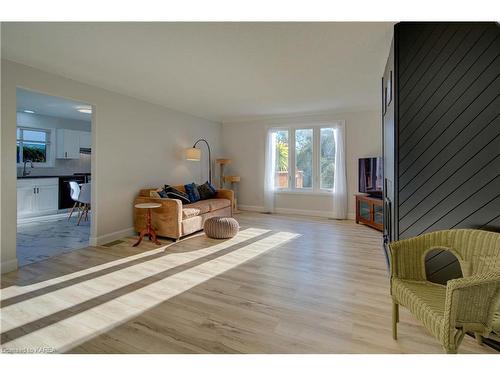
(284, 284)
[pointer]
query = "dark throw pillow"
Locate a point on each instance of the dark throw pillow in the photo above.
(206, 191)
(192, 192)
(172, 193)
(212, 187)
(163, 194)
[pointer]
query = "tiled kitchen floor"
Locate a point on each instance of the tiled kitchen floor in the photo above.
(49, 236)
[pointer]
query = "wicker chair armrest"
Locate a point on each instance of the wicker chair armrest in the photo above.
(471, 302)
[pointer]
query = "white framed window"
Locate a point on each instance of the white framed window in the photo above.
(305, 158)
(34, 145)
(282, 161)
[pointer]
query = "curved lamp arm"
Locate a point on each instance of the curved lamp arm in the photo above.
(209, 157)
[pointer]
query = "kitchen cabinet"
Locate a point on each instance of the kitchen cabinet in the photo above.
(37, 196)
(25, 200)
(67, 144)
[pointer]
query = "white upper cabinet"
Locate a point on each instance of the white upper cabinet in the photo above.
(67, 144)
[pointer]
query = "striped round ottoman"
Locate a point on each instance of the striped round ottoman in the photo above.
(221, 227)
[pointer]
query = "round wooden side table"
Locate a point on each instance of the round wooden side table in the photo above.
(148, 231)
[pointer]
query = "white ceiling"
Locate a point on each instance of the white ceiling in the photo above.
(49, 105)
(220, 71)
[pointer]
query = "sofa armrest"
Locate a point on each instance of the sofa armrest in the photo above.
(225, 194)
(166, 219)
(146, 192)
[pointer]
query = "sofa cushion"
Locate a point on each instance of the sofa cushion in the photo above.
(211, 187)
(192, 192)
(154, 194)
(188, 212)
(173, 193)
(202, 206)
(205, 191)
(217, 204)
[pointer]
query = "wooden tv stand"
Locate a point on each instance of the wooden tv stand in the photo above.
(370, 211)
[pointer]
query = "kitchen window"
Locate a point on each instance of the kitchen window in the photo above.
(307, 154)
(33, 145)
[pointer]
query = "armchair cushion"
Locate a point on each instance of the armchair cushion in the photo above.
(424, 299)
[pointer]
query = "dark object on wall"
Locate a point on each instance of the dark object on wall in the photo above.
(441, 132)
(442, 128)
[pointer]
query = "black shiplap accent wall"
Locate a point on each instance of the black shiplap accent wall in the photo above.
(448, 126)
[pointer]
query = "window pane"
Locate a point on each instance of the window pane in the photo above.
(327, 158)
(18, 133)
(303, 158)
(36, 152)
(282, 143)
(34, 135)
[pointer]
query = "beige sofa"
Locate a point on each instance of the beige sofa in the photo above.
(175, 220)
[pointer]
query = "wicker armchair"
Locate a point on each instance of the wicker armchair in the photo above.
(468, 304)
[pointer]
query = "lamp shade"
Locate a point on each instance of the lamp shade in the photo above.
(193, 154)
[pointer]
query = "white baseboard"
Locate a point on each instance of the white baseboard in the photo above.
(244, 207)
(104, 239)
(10, 265)
(293, 211)
(55, 216)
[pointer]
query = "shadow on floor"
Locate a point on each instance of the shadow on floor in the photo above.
(50, 319)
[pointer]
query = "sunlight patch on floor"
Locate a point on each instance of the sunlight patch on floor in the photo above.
(31, 309)
(69, 332)
(15, 290)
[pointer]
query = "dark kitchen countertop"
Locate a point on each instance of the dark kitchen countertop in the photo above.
(59, 176)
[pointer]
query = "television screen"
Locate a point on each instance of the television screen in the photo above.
(370, 176)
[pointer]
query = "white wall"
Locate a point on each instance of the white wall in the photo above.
(60, 167)
(135, 144)
(244, 142)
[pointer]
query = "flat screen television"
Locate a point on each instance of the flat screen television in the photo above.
(370, 176)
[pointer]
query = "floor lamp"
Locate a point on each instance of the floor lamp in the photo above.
(194, 154)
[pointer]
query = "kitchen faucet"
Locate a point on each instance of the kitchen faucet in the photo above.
(25, 172)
